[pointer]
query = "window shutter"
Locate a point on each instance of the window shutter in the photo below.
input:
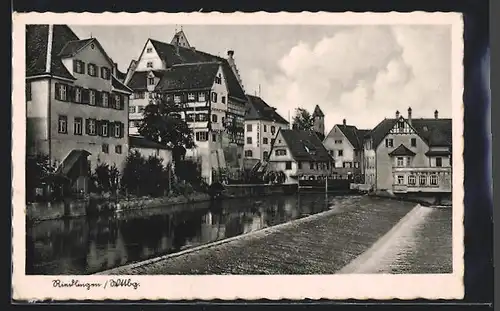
(111, 129)
(85, 96)
(123, 98)
(97, 68)
(106, 122)
(98, 98)
(98, 127)
(121, 130)
(75, 63)
(111, 100)
(103, 72)
(57, 87)
(83, 67)
(87, 127)
(70, 93)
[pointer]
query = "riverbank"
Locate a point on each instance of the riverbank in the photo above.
(303, 246)
(36, 212)
(422, 199)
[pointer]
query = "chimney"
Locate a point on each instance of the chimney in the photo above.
(436, 114)
(409, 115)
(344, 122)
(397, 114)
(230, 54)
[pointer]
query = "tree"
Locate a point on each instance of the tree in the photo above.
(38, 167)
(162, 123)
(302, 120)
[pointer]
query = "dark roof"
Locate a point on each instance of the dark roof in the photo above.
(139, 79)
(198, 76)
(437, 153)
(73, 47)
(70, 160)
(135, 141)
(402, 150)
(299, 141)
(168, 53)
(36, 50)
(258, 109)
(117, 84)
(353, 134)
(435, 132)
(317, 112)
(120, 75)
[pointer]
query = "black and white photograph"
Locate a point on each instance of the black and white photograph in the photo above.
(203, 145)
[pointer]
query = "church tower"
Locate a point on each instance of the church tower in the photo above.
(319, 122)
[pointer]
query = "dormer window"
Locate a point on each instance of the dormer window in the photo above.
(150, 65)
(218, 79)
(177, 99)
(201, 97)
(191, 96)
(149, 50)
(151, 81)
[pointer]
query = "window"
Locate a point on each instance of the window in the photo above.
(201, 136)
(105, 98)
(422, 180)
(118, 149)
(201, 97)
(434, 180)
(401, 125)
(191, 97)
(63, 125)
(118, 130)
(151, 81)
(190, 117)
(140, 108)
(273, 129)
(105, 148)
(139, 95)
(149, 50)
(104, 128)
(340, 153)
(272, 141)
(201, 117)
(131, 109)
(105, 73)
(413, 142)
(347, 164)
(265, 128)
(78, 66)
(61, 92)
(28, 90)
(311, 165)
(92, 97)
(177, 99)
(389, 142)
(288, 165)
(338, 141)
(265, 155)
(218, 79)
(400, 161)
(249, 140)
(118, 104)
(412, 180)
(249, 127)
(248, 153)
(91, 128)
(92, 70)
(401, 179)
(77, 126)
(214, 137)
(265, 141)
(408, 161)
(439, 162)
(149, 65)
(214, 97)
(214, 118)
(223, 99)
(280, 152)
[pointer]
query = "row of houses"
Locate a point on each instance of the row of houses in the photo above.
(81, 109)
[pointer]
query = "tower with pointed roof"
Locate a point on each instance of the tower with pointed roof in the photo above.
(180, 39)
(319, 122)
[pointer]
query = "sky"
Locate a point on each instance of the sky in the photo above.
(359, 73)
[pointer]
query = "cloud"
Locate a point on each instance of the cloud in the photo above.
(363, 74)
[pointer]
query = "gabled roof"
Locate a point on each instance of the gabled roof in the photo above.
(197, 76)
(70, 160)
(258, 109)
(173, 55)
(73, 47)
(117, 84)
(401, 150)
(137, 141)
(180, 34)
(37, 37)
(435, 132)
(305, 145)
(317, 112)
(354, 135)
(139, 80)
(120, 75)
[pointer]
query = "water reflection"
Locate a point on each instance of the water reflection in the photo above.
(84, 245)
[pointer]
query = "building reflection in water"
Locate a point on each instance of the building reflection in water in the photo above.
(88, 245)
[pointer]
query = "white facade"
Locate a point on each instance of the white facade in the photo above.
(259, 136)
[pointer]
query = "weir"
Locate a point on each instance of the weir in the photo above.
(386, 250)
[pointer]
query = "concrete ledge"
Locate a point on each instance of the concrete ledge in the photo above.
(254, 234)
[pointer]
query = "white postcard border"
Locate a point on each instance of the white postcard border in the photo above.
(230, 287)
